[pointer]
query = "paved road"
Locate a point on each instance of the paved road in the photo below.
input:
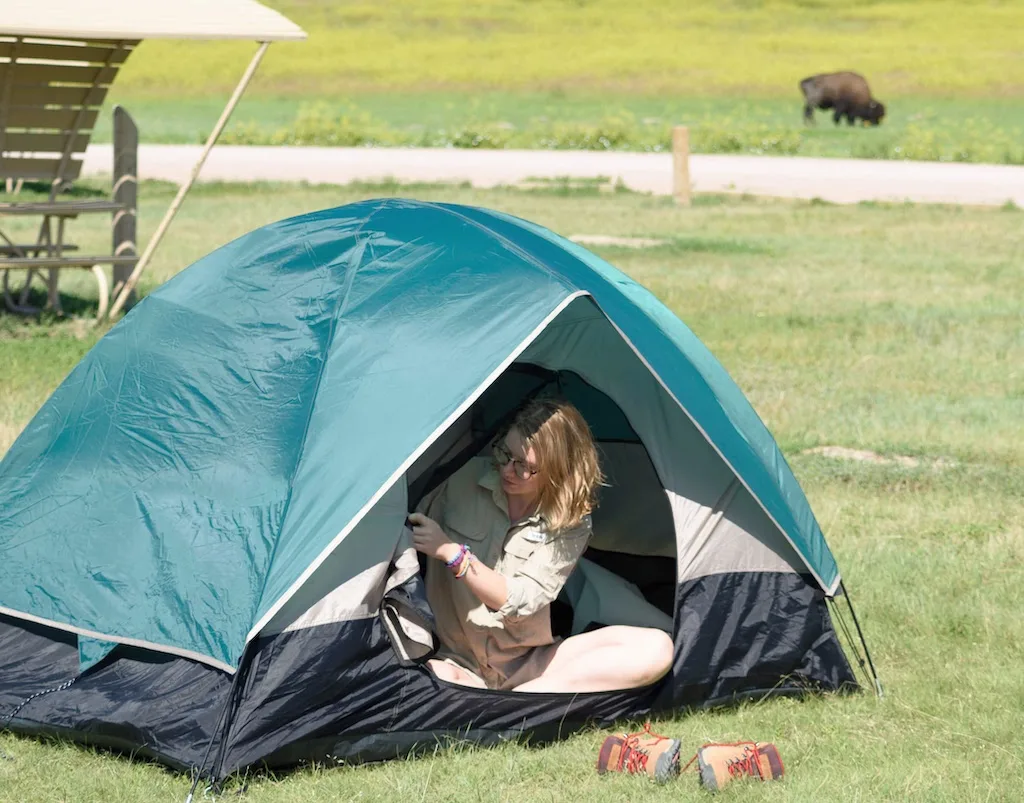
(837, 180)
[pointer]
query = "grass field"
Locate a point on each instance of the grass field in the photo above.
(896, 329)
(596, 74)
(962, 130)
(744, 48)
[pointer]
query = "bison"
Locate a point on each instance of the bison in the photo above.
(845, 92)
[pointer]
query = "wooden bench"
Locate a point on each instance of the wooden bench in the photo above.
(23, 249)
(50, 96)
(53, 264)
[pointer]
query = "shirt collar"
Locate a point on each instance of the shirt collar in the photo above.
(491, 480)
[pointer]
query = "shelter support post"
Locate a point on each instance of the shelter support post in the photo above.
(681, 164)
(147, 255)
(126, 183)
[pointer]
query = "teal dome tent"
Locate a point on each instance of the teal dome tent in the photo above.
(203, 517)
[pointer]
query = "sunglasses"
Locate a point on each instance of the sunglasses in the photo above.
(502, 456)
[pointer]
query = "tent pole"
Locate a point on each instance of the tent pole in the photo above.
(140, 266)
(224, 721)
(837, 613)
(860, 634)
(244, 665)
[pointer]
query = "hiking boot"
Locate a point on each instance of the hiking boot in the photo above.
(721, 763)
(640, 753)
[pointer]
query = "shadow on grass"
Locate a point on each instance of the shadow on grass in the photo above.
(133, 756)
(78, 310)
(85, 189)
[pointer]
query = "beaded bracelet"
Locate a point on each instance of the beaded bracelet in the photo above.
(463, 562)
(463, 549)
(464, 567)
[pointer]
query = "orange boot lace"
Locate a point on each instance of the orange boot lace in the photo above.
(635, 755)
(747, 765)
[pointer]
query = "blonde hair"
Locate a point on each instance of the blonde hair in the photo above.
(566, 457)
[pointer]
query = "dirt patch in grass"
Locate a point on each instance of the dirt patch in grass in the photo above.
(867, 456)
(621, 242)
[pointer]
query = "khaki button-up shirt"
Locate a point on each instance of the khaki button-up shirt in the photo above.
(472, 509)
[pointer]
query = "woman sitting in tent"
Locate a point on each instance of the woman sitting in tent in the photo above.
(504, 536)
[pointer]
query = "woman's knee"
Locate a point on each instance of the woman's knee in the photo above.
(649, 640)
(650, 650)
(662, 650)
(656, 648)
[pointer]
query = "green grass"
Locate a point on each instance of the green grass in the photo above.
(967, 130)
(893, 328)
(405, 113)
(748, 48)
(598, 73)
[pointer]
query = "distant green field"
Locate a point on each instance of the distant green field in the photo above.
(741, 48)
(597, 74)
(967, 130)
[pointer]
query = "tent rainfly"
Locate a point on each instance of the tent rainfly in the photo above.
(71, 50)
(198, 529)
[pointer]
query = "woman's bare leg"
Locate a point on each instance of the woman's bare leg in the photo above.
(615, 657)
(455, 674)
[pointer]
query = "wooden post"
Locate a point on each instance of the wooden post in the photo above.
(681, 164)
(126, 185)
(154, 241)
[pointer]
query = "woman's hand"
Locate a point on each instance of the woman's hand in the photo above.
(430, 539)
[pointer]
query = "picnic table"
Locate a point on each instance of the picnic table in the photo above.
(50, 96)
(50, 252)
(58, 59)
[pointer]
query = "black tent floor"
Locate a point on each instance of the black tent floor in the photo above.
(336, 693)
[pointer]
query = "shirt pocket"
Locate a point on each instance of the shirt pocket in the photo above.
(463, 524)
(516, 552)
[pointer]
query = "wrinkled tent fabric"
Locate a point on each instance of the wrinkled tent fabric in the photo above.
(221, 484)
(290, 379)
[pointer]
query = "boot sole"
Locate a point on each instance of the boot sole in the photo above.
(667, 766)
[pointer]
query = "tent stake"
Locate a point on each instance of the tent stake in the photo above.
(154, 241)
(223, 723)
(867, 653)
